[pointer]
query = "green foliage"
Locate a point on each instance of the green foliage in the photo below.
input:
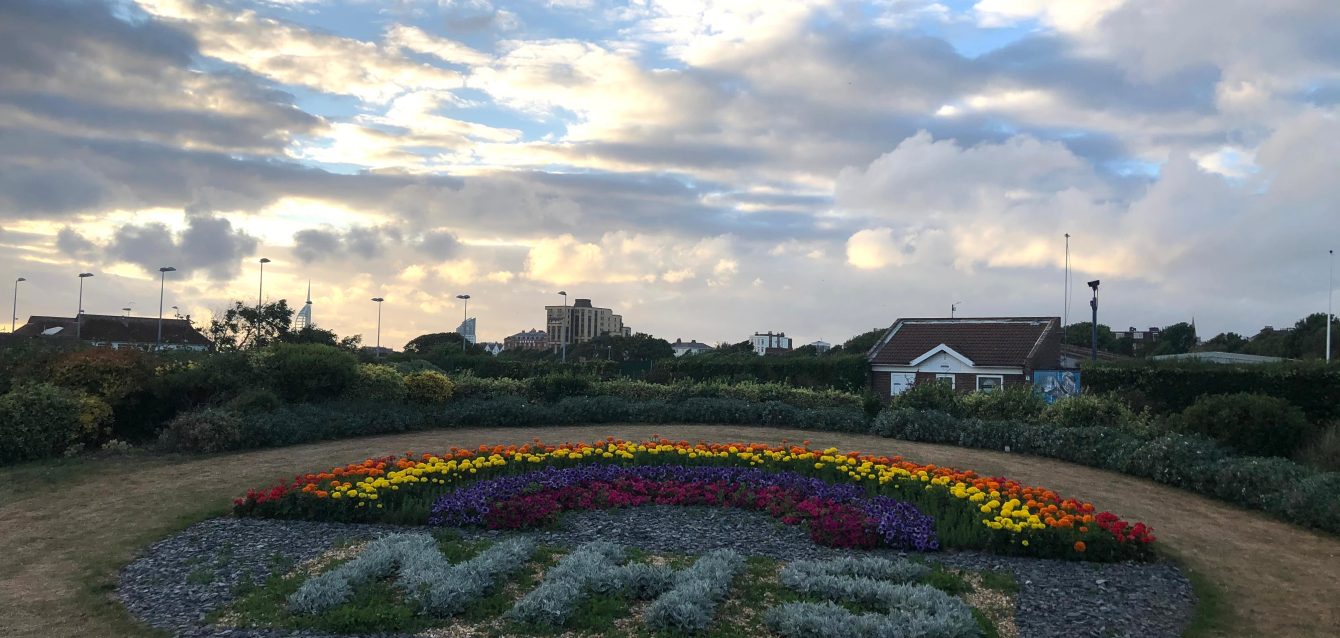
(309, 372)
(638, 347)
(1323, 450)
(1255, 482)
(313, 334)
(839, 372)
(450, 342)
(1306, 340)
(1183, 460)
(1011, 403)
(931, 395)
(1249, 423)
(113, 375)
(557, 386)
(1081, 334)
(1168, 387)
(1313, 502)
(862, 343)
(24, 360)
(378, 383)
(255, 400)
(203, 431)
(1088, 410)
(244, 327)
(429, 387)
(413, 365)
(469, 386)
(41, 420)
(1178, 338)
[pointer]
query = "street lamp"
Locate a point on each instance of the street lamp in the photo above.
(162, 283)
(379, 301)
(953, 307)
(14, 311)
(465, 316)
(563, 331)
(1093, 303)
(176, 312)
(79, 317)
(260, 295)
(1330, 316)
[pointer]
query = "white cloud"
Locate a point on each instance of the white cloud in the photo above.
(1065, 15)
(875, 248)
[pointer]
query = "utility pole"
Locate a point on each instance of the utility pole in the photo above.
(465, 316)
(162, 283)
(79, 318)
(379, 301)
(14, 310)
(1094, 325)
(1065, 313)
(1330, 315)
(260, 294)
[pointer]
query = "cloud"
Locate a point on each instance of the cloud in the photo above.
(70, 242)
(207, 244)
(875, 248)
(621, 257)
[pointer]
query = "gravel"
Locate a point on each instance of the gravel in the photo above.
(176, 583)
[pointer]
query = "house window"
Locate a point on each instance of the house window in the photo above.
(989, 383)
(941, 378)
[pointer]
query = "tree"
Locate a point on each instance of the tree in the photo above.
(435, 341)
(1178, 338)
(244, 327)
(743, 347)
(862, 343)
(1081, 334)
(312, 334)
(1223, 342)
(638, 347)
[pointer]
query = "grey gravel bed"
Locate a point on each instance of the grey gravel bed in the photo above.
(176, 583)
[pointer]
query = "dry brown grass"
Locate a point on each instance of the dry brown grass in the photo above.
(67, 527)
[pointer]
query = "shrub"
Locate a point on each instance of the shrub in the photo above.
(557, 386)
(1088, 410)
(42, 420)
(1249, 423)
(1010, 403)
(377, 383)
(1177, 459)
(931, 426)
(471, 386)
(930, 395)
(1323, 451)
(1256, 482)
(1312, 502)
(428, 387)
(309, 372)
(112, 375)
(255, 400)
(415, 365)
(207, 430)
(1172, 387)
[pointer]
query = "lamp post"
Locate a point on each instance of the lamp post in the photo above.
(14, 310)
(1330, 316)
(79, 316)
(162, 284)
(1093, 303)
(953, 307)
(260, 295)
(379, 301)
(176, 312)
(563, 331)
(465, 316)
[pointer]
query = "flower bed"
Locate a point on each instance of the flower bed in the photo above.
(968, 510)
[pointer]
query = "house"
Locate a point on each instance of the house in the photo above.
(116, 332)
(969, 354)
(526, 340)
(682, 348)
(770, 343)
(820, 346)
(492, 347)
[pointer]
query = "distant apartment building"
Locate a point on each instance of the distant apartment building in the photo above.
(682, 347)
(821, 346)
(526, 340)
(1142, 340)
(583, 322)
(770, 342)
(467, 330)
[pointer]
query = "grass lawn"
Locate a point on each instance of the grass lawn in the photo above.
(69, 525)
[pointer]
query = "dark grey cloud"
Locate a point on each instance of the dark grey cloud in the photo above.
(366, 242)
(70, 242)
(208, 244)
(439, 245)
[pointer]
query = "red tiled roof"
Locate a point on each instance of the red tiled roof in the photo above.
(112, 328)
(988, 342)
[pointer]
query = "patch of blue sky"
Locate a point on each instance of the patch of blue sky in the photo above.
(484, 110)
(1132, 167)
(327, 105)
(358, 20)
(958, 26)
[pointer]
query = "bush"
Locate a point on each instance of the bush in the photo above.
(42, 420)
(206, 430)
(471, 386)
(415, 365)
(309, 372)
(930, 426)
(1178, 459)
(1312, 502)
(557, 386)
(1088, 410)
(429, 387)
(1256, 482)
(112, 375)
(1249, 423)
(1010, 403)
(930, 395)
(1323, 451)
(1172, 387)
(377, 383)
(254, 400)
(849, 373)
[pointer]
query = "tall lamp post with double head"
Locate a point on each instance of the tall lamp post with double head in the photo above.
(162, 284)
(465, 316)
(1093, 303)
(379, 301)
(14, 310)
(563, 332)
(260, 295)
(79, 316)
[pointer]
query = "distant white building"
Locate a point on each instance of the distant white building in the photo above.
(492, 347)
(1219, 357)
(821, 346)
(467, 329)
(682, 348)
(765, 342)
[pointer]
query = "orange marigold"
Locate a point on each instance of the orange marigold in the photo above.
(1079, 546)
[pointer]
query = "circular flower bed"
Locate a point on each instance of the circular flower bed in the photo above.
(846, 499)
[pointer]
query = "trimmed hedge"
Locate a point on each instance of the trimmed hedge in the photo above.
(1249, 423)
(1173, 387)
(1294, 492)
(849, 373)
(302, 423)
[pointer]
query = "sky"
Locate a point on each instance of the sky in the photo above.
(705, 169)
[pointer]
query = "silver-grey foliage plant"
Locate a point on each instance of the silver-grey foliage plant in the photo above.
(690, 605)
(911, 610)
(437, 586)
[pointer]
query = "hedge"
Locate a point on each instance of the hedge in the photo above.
(1173, 387)
(849, 373)
(1294, 492)
(301, 423)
